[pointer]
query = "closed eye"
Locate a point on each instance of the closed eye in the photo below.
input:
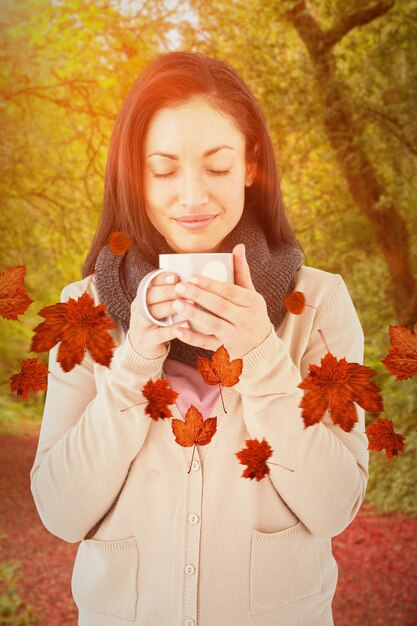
(215, 172)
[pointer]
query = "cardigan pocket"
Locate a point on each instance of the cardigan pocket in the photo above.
(284, 568)
(104, 577)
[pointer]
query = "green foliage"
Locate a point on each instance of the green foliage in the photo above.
(13, 610)
(392, 483)
(17, 415)
(67, 70)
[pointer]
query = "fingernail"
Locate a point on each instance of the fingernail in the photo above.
(180, 288)
(170, 278)
(185, 325)
(178, 305)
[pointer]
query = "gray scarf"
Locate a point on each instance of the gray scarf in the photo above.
(272, 270)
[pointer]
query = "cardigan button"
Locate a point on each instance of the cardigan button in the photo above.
(189, 569)
(193, 518)
(189, 622)
(196, 465)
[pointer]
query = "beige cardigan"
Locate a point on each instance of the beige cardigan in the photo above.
(163, 547)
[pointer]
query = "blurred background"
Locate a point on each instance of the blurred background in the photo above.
(337, 81)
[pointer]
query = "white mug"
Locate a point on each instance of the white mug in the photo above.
(216, 265)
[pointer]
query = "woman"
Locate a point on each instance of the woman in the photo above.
(161, 546)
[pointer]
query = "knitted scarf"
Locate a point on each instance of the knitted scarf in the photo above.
(272, 271)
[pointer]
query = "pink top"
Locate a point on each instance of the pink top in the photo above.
(189, 383)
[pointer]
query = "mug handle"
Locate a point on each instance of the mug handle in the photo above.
(141, 295)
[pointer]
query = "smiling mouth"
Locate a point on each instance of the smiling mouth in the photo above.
(197, 223)
(196, 218)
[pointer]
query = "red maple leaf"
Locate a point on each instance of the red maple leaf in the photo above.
(119, 242)
(32, 377)
(218, 370)
(254, 456)
(401, 359)
(159, 394)
(14, 300)
(79, 326)
(381, 436)
(335, 385)
(194, 430)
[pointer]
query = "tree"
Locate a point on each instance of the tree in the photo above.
(346, 137)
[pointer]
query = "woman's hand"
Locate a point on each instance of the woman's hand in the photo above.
(236, 315)
(148, 339)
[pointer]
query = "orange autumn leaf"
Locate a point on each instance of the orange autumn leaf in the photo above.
(295, 302)
(159, 394)
(194, 430)
(381, 436)
(32, 377)
(254, 456)
(401, 359)
(79, 326)
(219, 370)
(334, 386)
(14, 299)
(119, 242)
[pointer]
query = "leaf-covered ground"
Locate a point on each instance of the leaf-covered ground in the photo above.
(376, 555)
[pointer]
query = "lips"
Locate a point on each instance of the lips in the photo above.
(196, 222)
(195, 218)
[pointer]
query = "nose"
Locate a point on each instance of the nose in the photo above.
(192, 190)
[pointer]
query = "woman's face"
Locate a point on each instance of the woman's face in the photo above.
(195, 166)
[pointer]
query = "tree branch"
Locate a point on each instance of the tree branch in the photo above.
(352, 20)
(40, 91)
(318, 41)
(390, 122)
(306, 25)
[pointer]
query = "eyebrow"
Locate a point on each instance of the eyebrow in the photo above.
(205, 154)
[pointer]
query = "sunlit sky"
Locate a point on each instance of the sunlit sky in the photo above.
(184, 13)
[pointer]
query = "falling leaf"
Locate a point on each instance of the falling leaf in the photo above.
(14, 300)
(381, 436)
(401, 359)
(254, 456)
(119, 242)
(295, 302)
(335, 385)
(219, 371)
(79, 326)
(32, 377)
(159, 394)
(194, 430)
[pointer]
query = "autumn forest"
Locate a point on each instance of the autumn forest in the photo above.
(337, 82)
